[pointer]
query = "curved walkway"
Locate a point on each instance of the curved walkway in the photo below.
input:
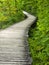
(13, 43)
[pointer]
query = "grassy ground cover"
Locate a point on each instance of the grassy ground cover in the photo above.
(10, 12)
(39, 36)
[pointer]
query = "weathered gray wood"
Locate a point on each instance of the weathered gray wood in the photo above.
(13, 43)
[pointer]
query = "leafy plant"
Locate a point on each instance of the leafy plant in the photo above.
(10, 12)
(39, 36)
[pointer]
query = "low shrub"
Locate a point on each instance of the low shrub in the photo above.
(10, 12)
(39, 36)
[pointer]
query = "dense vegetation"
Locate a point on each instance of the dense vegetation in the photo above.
(10, 12)
(39, 36)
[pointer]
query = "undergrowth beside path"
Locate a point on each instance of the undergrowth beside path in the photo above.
(39, 35)
(10, 13)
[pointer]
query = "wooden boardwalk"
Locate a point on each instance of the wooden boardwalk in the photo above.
(13, 43)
